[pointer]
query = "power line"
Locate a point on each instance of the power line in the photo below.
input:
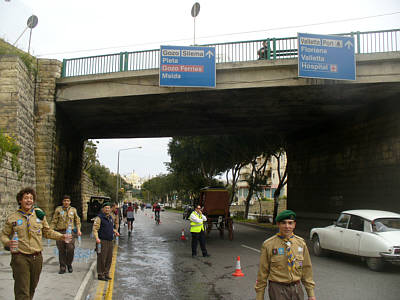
(227, 34)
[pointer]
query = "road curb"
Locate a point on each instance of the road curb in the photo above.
(83, 289)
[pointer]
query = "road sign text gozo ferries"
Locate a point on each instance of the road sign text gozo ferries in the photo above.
(326, 56)
(182, 66)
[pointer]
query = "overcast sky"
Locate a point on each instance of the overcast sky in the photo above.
(77, 28)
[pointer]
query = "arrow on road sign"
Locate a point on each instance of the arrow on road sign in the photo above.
(209, 54)
(349, 45)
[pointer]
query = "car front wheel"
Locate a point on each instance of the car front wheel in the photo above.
(317, 249)
(375, 263)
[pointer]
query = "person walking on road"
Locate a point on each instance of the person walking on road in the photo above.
(104, 231)
(284, 262)
(197, 230)
(65, 216)
(130, 216)
(29, 224)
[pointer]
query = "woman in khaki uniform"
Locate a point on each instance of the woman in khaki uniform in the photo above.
(284, 263)
(26, 261)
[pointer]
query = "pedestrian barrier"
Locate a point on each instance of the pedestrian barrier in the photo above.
(183, 235)
(238, 271)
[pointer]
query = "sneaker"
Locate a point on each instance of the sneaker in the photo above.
(101, 278)
(107, 277)
(62, 271)
(70, 270)
(206, 255)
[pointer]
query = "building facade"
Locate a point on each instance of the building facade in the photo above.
(273, 166)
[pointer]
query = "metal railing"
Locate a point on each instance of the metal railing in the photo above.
(270, 49)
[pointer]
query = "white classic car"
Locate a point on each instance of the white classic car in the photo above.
(374, 235)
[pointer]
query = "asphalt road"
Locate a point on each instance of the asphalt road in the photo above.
(155, 264)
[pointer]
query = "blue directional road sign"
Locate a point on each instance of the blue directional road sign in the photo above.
(187, 66)
(326, 56)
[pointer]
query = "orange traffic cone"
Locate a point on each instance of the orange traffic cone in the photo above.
(238, 271)
(183, 235)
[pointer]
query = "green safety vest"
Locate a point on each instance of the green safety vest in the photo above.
(196, 227)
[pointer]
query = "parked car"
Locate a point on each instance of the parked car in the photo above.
(148, 205)
(162, 206)
(373, 235)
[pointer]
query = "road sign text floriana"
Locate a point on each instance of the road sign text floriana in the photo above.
(326, 56)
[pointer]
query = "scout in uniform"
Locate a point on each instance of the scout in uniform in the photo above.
(30, 224)
(104, 231)
(284, 262)
(115, 215)
(64, 216)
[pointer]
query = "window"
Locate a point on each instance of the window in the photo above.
(356, 223)
(343, 220)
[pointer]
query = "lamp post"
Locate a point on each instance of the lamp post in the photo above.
(116, 196)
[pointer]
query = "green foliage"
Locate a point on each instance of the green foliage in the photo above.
(9, 145)
(89, 155)
(28, 60)
(103, 178)
(159, 187)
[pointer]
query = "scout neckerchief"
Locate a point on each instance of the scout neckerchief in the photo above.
(27, 215)
(289, 251)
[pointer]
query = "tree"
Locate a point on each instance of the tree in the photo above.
(89, 154)
(282, 180)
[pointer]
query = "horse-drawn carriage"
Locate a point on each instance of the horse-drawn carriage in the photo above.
(215, 201)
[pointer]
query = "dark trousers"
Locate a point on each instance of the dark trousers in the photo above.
(104, 258)
(26, 272)
(279, 291)
(65, 251)
(201, 238)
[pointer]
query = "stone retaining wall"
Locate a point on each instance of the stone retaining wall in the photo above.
(17, 120)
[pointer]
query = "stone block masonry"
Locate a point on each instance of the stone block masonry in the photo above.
(17, 120)
(51, 149)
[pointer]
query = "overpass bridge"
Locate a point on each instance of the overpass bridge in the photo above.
(251, 93)
(344, 136)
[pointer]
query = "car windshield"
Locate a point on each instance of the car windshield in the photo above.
(389, 224)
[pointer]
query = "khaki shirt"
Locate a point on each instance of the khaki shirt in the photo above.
(62, 216)
(115, 218)
(29, 240)
(274, 265)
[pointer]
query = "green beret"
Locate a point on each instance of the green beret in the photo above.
(106, 204)
(286, 214)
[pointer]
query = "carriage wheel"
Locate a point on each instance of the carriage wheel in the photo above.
(230, 229)
(221, 230)
(208, 226)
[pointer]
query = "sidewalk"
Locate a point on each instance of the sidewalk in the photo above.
(52, 285)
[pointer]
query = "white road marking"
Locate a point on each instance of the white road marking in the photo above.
(251, 248)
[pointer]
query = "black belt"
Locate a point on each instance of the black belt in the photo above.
(287, 283)
(30, 255)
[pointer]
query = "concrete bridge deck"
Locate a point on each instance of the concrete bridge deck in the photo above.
(265, 95)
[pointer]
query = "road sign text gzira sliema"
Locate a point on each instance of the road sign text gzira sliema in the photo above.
(187, 66)
(326, 56)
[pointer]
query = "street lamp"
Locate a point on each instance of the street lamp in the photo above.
(116, 196)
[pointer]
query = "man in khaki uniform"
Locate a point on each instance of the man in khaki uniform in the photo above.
(284, 262)
(115, 215)
(26, 261)
(104, 231)
(63, 216)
